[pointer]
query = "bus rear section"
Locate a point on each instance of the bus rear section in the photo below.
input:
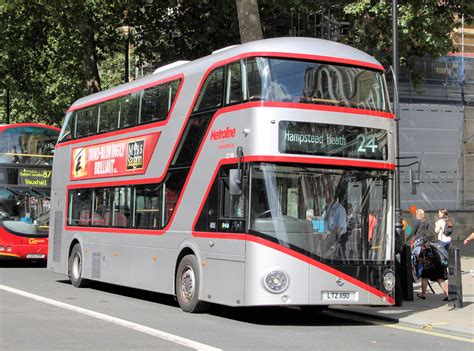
(20, 240)
(26, 157)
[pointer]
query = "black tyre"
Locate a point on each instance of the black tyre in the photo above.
(187, 285)
(75, 267)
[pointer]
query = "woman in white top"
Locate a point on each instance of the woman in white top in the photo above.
(440, 228)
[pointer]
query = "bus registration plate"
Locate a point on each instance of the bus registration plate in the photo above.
(339, 295)
(35, 256)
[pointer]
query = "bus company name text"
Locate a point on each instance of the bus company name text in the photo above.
(221, 134)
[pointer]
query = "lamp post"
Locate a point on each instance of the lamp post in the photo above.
(402, 285)
(126, 29)
(398, 212)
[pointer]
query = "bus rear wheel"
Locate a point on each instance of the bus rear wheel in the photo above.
(187, 285)
(75, 267)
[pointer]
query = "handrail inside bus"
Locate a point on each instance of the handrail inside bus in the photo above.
(31, 155)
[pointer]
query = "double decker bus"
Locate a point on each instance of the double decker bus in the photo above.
(26, 159)
(259, 175)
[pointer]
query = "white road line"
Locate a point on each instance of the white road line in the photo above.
(127, 324)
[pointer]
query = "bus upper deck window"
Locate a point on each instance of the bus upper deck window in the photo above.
(233, 92)
(253, 87)
(109, 116)
(86, 121)
(211, 91)
(129, 109)
(67, 131)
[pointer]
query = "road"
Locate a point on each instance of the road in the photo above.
(40, 310)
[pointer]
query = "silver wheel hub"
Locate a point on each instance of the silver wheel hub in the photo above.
(188, 283)
(76, 266)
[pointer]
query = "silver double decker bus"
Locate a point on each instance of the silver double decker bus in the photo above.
(260, 175)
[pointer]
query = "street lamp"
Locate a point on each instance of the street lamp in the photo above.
(126, 29)
(398, 213)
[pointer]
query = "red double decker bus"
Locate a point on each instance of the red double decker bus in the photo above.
(26, 159)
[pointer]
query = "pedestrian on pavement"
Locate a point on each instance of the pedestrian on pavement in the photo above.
(441, 228)
(469, 239)
(432, 270)
(419, 225)
(420, 235)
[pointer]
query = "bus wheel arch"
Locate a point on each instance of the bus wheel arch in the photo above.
(76, 264)
(188, 282)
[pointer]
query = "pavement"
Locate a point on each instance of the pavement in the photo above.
(432, 314)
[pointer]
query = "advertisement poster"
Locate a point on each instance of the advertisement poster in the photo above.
(113, 159)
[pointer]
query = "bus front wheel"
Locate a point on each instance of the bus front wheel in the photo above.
(75, 267)
(187, 285)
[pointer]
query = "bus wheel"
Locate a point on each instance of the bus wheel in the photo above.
(187, 285)
(75, 267)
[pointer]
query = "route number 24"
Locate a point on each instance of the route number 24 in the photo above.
(366, 143)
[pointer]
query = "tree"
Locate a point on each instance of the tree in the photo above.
(182, 30)
(424, 28)
(49, 53)
(249, 20)
(53, 51)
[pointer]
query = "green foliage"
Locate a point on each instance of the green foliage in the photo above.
(182, 30)
(42, 53)
(424, 28)
(53, 52)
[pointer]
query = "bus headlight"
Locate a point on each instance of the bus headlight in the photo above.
(2, 248)
(276, 281)
(389, 281)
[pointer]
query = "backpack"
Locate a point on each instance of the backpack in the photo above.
(440, 255)
(448, 228)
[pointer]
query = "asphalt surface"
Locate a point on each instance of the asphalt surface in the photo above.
(57, 316)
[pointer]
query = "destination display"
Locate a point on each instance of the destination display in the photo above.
(332, 140)
(34, 177)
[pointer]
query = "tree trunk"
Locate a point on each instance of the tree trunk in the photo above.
(91, 72)
(249, 20)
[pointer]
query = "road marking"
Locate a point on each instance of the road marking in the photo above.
(127, 324)
(401, 327)
(422, 331)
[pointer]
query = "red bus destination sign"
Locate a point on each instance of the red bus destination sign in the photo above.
(332, 140)
(113, 159)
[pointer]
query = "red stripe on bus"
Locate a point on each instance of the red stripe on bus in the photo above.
(329, 108)
(218, 113)
(223, 63)
(286, 159)
(299, 256)
(321, 266)
(328, 59)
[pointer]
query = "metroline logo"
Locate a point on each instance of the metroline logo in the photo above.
(219, 134)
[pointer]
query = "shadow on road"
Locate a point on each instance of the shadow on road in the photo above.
(130, 292)
(296, 316)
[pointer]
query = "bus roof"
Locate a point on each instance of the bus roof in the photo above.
(291, 47)
(4, 127)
